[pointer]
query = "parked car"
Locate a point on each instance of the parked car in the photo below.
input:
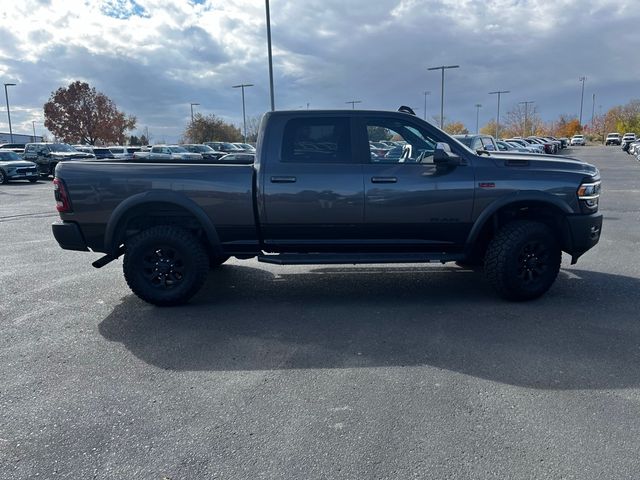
(578, 140)
(14, 147)
(613, 139)
(48, 155)
(478, 142)
(246, 147)
(123, 153)
(12, 167)
(440, 202)
(101, 153)
(225, 147)
(168, 153)
(206, 151)
(529, 147)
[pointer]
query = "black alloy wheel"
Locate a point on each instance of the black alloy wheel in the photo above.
(165, 265)
(523, 260)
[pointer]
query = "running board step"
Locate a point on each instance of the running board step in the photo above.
(356, 258)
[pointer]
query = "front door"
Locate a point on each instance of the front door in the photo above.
(410, 203)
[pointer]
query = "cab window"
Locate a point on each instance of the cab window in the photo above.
(415, 145)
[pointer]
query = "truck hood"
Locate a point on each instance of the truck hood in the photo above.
(17, 164)
(543, 162)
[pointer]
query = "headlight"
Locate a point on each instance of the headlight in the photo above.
(589, 194)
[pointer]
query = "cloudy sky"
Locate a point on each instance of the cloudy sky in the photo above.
(155, 57)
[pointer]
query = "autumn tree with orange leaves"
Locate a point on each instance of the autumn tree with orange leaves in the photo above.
(80, 114)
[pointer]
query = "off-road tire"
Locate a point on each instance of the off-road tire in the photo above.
(523, 260)
(165, 265)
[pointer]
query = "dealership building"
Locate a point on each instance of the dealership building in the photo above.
(18, 138)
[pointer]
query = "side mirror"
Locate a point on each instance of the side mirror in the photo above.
(443, 156)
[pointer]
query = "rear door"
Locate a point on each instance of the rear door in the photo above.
(410, 203)
(312, 186)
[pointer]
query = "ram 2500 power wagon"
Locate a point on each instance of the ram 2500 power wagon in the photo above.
(317, 195)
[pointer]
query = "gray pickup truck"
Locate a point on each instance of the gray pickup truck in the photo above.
(316, 195)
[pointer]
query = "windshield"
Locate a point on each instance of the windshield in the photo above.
(177, 149)
(8, 156)
(230, 146)
(61, 147)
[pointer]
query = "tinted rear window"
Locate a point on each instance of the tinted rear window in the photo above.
(317, 140)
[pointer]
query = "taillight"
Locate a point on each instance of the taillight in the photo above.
(63, 203)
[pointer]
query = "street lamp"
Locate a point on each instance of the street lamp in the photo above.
(478, 107)
(499, 92)
(353, 103)
(582, 79)
(192, 104)
(6, 96)
(526, 105)
(443, 68)
(273, 105)
(244, 117)
(33, 124)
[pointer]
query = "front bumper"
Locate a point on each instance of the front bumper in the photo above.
(69, 236)
(585, 233)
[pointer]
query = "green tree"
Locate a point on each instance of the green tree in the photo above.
(211, 128)
(80, 114)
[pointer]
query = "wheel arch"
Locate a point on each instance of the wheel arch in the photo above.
(144, 204)
(533, 205)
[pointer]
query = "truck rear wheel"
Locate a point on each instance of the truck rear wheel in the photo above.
(523, 260)
(165, 265)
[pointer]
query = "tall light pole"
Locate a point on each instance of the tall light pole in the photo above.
(526, 105)
(499, 93)
(443, 68)
(425, 104)
(582, 79)
(478, 107)
(192, 104)
(593, 110)
(273, 104)
(33, 124)
(353, 103)
(6, 96)
(244, 117)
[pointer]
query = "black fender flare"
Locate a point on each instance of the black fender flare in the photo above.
(513, 198)
(159, 196)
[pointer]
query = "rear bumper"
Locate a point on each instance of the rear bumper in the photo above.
(69, 236)
(585, 233)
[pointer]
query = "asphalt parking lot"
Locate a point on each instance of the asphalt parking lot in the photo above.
(390, 372)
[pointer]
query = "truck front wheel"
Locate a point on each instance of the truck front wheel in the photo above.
(523, 260)
(165, 265)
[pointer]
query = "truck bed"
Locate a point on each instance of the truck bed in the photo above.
(99, 190)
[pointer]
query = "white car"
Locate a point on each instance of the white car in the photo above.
(578, 140)
(613, 139)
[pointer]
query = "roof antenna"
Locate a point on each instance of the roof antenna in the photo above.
(405, 109)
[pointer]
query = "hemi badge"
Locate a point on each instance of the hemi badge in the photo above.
(487, 185)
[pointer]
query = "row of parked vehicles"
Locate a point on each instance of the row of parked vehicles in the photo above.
(32, 161)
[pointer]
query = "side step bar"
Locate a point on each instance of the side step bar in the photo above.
(357, 258)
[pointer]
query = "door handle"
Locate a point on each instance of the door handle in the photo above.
(283, 179)
(384, 179)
